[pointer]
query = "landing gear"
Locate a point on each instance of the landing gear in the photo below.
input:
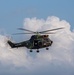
(37, 51)
(47, 48)
(31, 50)
(51, 42)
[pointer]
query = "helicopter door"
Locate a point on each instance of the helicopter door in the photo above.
(36, 43)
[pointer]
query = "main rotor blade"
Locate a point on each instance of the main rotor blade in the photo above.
(26, 30)
(48, 33)
(21, 33)
(51, 30)
(30, 33)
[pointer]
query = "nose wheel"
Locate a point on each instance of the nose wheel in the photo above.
(47, 48)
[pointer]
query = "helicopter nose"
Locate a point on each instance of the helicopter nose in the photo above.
(51, 42)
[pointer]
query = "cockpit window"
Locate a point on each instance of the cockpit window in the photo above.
(46, 39)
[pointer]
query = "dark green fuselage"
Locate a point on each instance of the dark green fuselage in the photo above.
(35, 42)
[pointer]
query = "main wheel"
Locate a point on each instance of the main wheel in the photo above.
(31, 51)
(37, 51)
(47, 48)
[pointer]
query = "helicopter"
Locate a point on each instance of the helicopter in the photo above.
(37, 41)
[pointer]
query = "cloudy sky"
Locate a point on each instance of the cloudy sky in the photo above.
(37, 15)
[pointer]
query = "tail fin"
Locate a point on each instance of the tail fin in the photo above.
(11, 44)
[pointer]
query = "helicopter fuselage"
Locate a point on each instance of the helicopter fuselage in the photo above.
(35, 42)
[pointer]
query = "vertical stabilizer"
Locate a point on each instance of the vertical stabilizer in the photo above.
(11, 44)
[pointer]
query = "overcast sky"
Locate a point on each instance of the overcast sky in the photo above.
(37, 15)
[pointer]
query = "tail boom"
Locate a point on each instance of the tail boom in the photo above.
(16, 45)
(12, 45)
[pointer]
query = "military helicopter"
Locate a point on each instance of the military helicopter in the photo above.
(37, 41)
